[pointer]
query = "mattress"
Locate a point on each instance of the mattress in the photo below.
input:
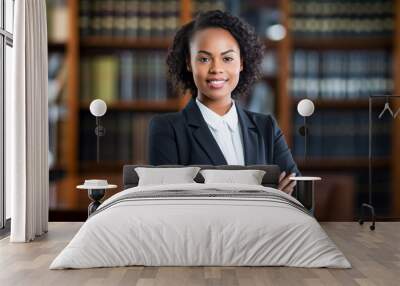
(201, 225)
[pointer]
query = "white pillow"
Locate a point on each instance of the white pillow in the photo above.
(165, 176)
(248, 177)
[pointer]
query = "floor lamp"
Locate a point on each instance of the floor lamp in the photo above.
(305, 108)
(97, 188)
(98, 108)
(393, 114)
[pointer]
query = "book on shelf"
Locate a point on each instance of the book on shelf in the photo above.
(57, 73)
(342, 18)
(57, 21)
(269, 63)
(139, 135)
(261, 99)
(127, 76)
(129, 18)
(341, 74)
(104, 83)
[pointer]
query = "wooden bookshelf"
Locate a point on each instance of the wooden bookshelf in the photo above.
(76, 46)
(72, 61)
(354, 43)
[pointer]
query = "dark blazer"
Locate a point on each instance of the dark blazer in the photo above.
(183, 138)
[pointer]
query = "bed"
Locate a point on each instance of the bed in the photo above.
(201, 224)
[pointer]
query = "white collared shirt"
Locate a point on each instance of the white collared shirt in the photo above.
(226, 131)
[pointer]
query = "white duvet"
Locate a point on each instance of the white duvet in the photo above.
(182, 231)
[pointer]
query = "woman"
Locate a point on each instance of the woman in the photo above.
(217, 56)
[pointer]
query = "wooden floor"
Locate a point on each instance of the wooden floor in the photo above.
(375, 256)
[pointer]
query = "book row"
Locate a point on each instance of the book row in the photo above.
(364, 8)
(343, 134)
(332, 134)
(342, 27)
(125, 139)
(345, 64)
(342, 18)
(340, 88)
(129, 18)
(125, 76)
(338, 74)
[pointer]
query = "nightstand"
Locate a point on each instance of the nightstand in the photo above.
(96, 190)
(305, 191)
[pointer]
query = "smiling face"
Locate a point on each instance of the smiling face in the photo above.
(215, 63)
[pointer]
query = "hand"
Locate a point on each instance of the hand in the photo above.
(285, 185)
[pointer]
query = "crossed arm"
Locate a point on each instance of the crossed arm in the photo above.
(285, 184)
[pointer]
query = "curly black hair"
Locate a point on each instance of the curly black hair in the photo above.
(251, 50)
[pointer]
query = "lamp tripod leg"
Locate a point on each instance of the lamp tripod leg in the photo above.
(361, 220)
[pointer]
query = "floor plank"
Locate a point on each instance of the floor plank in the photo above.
(375, 257)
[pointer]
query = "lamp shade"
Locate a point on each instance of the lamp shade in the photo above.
(305, 107)
(98, 107)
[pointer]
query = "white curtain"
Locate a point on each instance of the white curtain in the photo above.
(27, 124)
